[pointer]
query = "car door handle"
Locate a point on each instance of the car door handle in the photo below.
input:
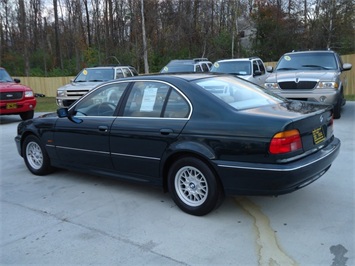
(166, 131)
(103, 128)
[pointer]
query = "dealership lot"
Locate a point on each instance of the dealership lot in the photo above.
(71, 218)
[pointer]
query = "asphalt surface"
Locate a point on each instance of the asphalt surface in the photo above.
(68, 218)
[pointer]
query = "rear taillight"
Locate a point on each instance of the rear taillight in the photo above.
(286, 141)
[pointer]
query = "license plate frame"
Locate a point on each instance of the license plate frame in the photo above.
(11, 105)
(318, 135)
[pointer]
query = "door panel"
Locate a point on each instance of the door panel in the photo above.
(153, 117)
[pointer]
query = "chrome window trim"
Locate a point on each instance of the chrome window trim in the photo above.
(133, 81)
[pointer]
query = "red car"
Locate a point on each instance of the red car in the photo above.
(15, 98)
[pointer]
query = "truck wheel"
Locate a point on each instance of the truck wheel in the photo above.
(337, 108)
(27, 115)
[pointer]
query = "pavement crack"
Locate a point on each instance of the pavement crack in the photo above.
(270, 252)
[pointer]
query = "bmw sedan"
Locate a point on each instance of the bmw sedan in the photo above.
(198, 136)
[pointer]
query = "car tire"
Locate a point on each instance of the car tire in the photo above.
(27, 115)
(194, 187)
(337, 108)
(35, 156)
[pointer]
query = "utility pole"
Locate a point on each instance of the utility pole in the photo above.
(145, 49)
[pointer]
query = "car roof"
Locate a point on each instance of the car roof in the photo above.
(107, 67)
(187, 61)
(177, 76)
(311, 51)
(237, 59)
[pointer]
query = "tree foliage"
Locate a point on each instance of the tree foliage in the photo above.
(59, 37)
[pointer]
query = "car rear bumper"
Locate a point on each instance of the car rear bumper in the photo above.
(21, 107)
(276, 179)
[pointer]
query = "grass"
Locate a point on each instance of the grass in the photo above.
(48, 104)
(350, 97)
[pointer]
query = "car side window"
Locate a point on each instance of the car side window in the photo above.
(134, 71)
(261, 67)
(155, 99)
(126, 72)
(119, 73)
(146, 99)
(205, 67)
(198, 68)
(101, 102)
(255, 66)
(177, 106)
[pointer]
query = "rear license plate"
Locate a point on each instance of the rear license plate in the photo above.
(11, 106)
(318, 135)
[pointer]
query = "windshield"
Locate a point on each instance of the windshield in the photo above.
(307, 61)
(241, 68)
(178, 68)
(95, 75)
(4, 76)
(238, 93)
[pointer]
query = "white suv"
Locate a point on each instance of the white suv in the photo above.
(251, 69)
(89, 78)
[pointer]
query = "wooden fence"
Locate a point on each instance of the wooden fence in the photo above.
(49, 86)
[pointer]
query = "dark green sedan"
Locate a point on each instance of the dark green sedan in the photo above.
(198, 136)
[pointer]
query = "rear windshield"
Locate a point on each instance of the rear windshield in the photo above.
(307, 61)
(233, 67)
(238, 93)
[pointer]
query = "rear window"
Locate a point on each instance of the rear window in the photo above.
(238, 93)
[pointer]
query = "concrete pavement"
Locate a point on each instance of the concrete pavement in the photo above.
(72, 219)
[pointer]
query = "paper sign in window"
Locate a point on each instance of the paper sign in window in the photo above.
(148, 100)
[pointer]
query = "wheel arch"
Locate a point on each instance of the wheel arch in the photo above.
(23, 137)
(168, 162)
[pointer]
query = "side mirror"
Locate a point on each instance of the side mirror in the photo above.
(64, 112)
(269, 69)
(347, 67)
(17, 80)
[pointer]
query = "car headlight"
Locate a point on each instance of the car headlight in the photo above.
(60, 93)
(28, 94)
(271, 85)
(327, 85)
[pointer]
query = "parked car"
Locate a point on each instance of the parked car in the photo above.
(251, 69)
(198, 136)
(318, 76)
(187, 65)
(15, 98)
(89, 78)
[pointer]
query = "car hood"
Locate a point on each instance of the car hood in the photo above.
(80, 86)
(12, 86)
(309, 75)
